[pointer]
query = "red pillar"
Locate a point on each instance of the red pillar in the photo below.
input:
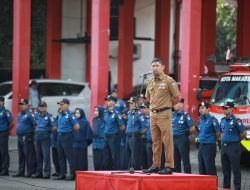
(21, 53)
(125, 51)
(243, 29)
(53, 49)
(190, 52)
(99, 51)
(88, 46)
(162, 25)
(208, 33)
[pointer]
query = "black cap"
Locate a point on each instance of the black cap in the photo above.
(204, 104)
(64, 101)
(114, 90)
(132, 99)
(182, 100)
(23, 101)
(42, 103)
(2, 98)
(111, 98)
(33, 82)
(228, 105)
(144, 105)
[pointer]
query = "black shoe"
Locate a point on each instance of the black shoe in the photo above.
(70, 178)
(150, 170)
(46, 177)
(55, 174)
(37, 176)
(4, 173)
(166, 171)
(18, 175)
(27, 176)
(60, 177)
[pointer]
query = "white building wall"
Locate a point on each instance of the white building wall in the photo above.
(145, 27)
(73, 55)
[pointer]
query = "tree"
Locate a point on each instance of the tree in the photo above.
(225, 28)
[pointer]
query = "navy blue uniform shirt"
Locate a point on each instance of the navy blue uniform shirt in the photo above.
(112, 122)
(134, 123)
(25, 123)
(231, 129)
(208, 126)
(44, 122)
(5, 119)
(182, 122)
(66, 121)
(146, 124)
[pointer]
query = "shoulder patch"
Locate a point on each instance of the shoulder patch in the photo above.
(211, 115)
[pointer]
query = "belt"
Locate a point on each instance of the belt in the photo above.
(160, 109)
(229, 143)
(60, 134)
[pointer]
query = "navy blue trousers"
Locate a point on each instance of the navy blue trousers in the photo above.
(42, 146)
(80, 159)
(149, 153)
(112, 151)
(230, 159)
(65, 152)
(181, 153)
(133, 150)
(26, 154)
(98, 156)
(4, 151)
(206, 159)
(123, 155)
(144, 158)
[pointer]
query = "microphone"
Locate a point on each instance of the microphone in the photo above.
(146, 74)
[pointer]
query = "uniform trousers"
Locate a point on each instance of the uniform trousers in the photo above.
(161, 129)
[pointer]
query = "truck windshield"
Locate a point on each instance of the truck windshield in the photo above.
(234, 89)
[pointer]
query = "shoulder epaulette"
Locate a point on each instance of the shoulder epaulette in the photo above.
(211, 115)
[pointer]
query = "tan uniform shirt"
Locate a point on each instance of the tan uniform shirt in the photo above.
(161, 90)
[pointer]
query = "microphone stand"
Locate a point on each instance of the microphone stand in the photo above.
(131, 169)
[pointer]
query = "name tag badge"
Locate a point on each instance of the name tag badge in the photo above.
(162, 86)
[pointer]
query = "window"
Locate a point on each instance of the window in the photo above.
(53, 89)
(5, 89)
(75, 89)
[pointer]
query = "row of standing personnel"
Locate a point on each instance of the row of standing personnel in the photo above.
(137, 131)
(138, 141)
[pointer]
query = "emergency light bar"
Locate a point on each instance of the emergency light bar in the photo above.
(239, 66)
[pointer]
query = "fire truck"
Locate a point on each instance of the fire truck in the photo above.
(234, 86)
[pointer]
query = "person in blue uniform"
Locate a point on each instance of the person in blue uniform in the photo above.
(232, 130)
(120, 104)
(113, 124)
(98, 138)
(209, 132)
(45, 124)
(25, 140)
(82, 139)
(147, 153)
(6, 124)
(54, 145)
(183, 125)
(123, 155)
(134, 133)
(67, 124)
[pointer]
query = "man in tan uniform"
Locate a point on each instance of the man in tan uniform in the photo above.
(162, 92)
